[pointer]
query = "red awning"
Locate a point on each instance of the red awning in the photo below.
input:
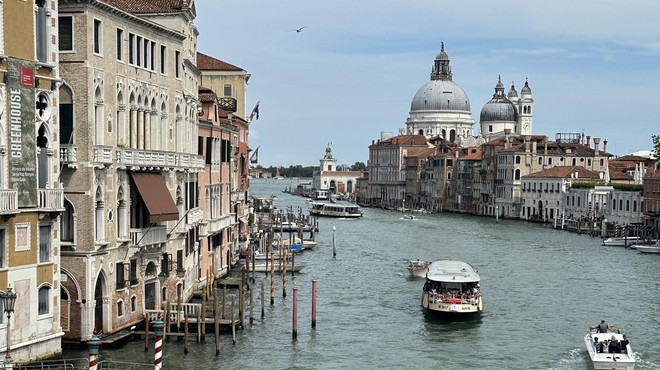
(156, 196)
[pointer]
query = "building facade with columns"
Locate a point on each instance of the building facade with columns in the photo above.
(31, 194)
(129, 138)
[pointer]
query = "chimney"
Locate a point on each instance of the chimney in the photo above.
(605, 146)
(596, 145)
(545, 146)
(534, 146)
(588, 142)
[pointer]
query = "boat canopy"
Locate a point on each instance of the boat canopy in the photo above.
(452, 271)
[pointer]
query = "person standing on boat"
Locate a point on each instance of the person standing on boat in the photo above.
(602, 327)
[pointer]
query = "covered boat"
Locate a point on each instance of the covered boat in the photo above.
(418, 268)
(452, 288)
(335, 210)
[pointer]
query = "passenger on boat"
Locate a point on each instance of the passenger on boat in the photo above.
(602, 327)
(624, 344)
(615, 346)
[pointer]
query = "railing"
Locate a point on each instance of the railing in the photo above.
(8, 201)
(64, 364)
(103, 154)
(194, 216)
(148, 236)
(203, 229)
(218, 224)
(228, 104)
(51, 200)
(154, 158)
(68, 154)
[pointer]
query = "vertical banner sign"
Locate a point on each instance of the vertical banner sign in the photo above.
(22, 133)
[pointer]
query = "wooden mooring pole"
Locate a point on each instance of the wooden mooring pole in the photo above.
(294, 334)
(313, 302)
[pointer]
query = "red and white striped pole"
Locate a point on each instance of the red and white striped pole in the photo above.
(313, 302)
(94, 344)
(158, 352)
(295, 312)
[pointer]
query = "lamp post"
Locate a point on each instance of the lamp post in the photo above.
(8, 302)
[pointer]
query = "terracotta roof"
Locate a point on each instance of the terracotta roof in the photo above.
(473, 155)
(405, 140)
(149, 6)
(420, 152)
(208, 63)
(565, 172)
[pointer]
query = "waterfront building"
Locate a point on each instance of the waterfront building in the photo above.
(229, 83)
(523, 155)
(651, 207)
(545, 194)
(416, 159)
(31, 193)
(332, 179)
(468, 180)
(438, 180)
(386, 166)
(217, 229)
(130, 160)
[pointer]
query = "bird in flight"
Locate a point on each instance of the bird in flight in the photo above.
(299, 29)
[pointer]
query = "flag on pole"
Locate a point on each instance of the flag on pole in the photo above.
(254, 158)
(255, 112)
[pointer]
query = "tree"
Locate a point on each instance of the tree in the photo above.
(358, 166)
(656, 150)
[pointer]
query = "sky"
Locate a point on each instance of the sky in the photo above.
(593, 67)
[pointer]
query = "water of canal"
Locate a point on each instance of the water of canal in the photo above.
(543, 288)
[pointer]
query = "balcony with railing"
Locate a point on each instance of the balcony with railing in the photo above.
(155, 159)
(219, 224)
(228, 104)
(51, 200)
(194, 216)
(8, 201)
(148, 236)
(103, 155)
(68, 155)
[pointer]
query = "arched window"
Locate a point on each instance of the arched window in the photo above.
(517, 174)
(44, 299)
(67, 222)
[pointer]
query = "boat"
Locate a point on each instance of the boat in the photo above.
(263, 266)
(622, 359)
(622, 241)
(335, 210)
(277, 174)
(263, 204)
(452, 288)
(320, 194)
(652, 249)
(417, 268)
(409, 217)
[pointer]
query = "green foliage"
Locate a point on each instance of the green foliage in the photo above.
(656, 150)
(584, 185)
(358, 166)
(628, 187)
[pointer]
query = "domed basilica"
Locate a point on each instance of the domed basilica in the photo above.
(441, 108)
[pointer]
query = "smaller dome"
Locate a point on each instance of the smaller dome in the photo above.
(499, 108)
(512, 93)
(526, 89)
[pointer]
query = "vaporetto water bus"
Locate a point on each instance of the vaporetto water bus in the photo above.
(452, 288)
(344, 210)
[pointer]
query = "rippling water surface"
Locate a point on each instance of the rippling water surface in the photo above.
(543, 288)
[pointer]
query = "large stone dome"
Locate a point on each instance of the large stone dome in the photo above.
(499, 108)
(440, 95)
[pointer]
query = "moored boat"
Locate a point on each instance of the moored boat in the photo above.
(650, 249)
(452, 288)
(418, 268)
(621, 241)
(263, 266)
(609, 350)
(335, 210)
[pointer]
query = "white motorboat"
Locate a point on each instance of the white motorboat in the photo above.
(622, 241)
(604, 352)
(409, 217)
(263, 266)
(452, 288)
(418, 268)
(652, 249)
(335, 210)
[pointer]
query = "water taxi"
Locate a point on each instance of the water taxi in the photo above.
(335, 210)
(452, 288)
(417, 268)
(609, 350)
(622, 241)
